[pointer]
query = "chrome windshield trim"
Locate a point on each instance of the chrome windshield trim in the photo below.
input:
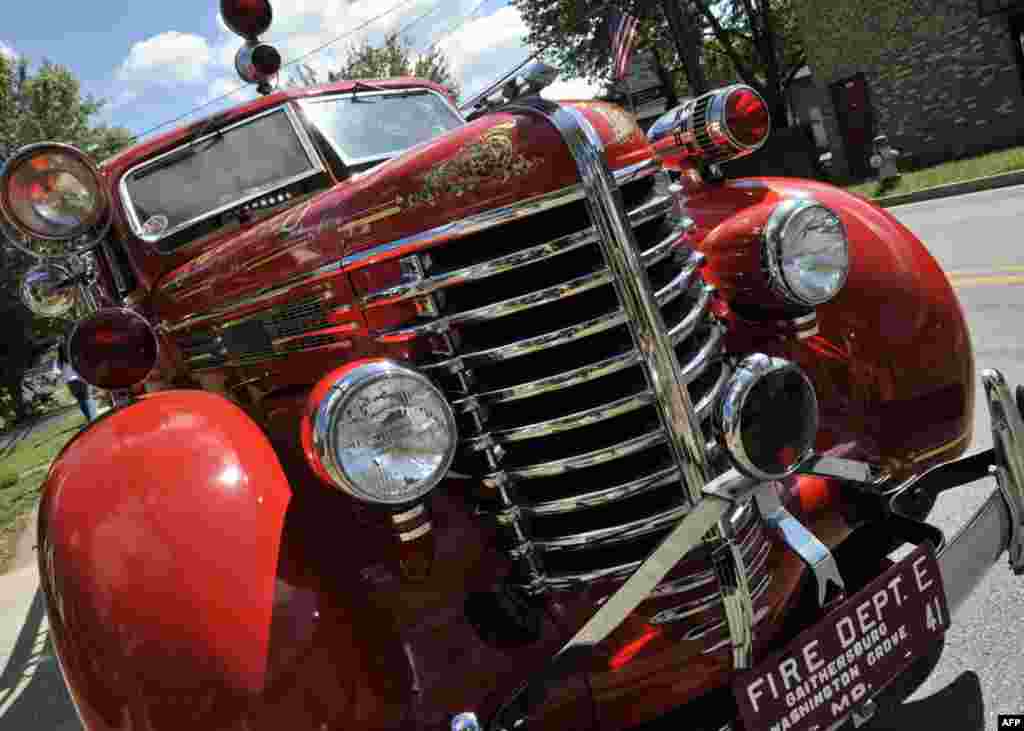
(589, 459)
(562, 380)
(489, 219)
(615, 534)
(563, 423)
(316, 168)
(524, 257)
(599, 498)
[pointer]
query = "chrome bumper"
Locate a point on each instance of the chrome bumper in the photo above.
(996, 527)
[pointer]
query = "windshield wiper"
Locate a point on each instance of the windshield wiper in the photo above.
(184, 153)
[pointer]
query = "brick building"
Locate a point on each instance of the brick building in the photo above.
(942, 78)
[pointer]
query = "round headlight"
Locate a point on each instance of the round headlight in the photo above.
(768, 418)
(383, 432)
(805, 252)
(52, 192)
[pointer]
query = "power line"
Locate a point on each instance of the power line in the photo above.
(289, 63)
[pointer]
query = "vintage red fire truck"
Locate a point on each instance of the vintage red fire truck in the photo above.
(526, 421)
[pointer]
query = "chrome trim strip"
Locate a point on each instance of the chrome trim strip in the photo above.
(316, 167)
(406, 516)
(589, 459)
(417, 532)
(679, 284)
(708, 400)
(559, 380)
(276, 355)
(261, 295)
(563, 423)
(536, 343)
(704, 630)
(697, 365)
(504, 308)
(489, 219)
(616, 533)
(608, 495)
(524, 257)
(685, 327)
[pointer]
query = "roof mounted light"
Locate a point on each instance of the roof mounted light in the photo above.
(247, 18)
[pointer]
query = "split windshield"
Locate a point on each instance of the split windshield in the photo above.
(372, 127)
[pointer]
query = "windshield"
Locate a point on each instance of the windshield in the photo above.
(216, 173)
(373, 127)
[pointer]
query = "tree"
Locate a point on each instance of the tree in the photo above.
(36, 106)
(395, 57)
(754, 41)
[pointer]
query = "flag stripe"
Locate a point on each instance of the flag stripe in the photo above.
(623, 31)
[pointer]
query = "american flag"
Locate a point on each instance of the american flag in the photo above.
(622, 28)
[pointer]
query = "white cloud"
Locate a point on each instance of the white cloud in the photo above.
(572, 89)
(7, 51)
(167, 58)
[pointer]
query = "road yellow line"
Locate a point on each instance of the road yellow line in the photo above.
(990, 270)
(995, 279)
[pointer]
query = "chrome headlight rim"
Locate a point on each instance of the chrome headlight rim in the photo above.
(326, 418)
(730, 413)
(774, 241)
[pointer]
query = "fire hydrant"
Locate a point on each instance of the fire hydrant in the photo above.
(884, 160)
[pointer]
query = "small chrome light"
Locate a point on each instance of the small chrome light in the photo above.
(805, 252)
(768, 418)
(381, 431)
(465, 722)
(46, 290)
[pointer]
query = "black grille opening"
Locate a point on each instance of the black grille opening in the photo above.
(581, 441)
(514, 236)
(567, 401)
(569, 562)
(537, 320)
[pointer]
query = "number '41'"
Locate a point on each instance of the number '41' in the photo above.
(933, 614)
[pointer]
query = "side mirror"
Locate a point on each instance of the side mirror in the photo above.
(49, 290)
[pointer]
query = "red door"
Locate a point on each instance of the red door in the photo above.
(856, 122)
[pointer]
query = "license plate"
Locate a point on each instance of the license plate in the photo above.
(850, 655)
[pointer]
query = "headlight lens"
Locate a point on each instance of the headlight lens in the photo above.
(806, 252)
(384, 433)
(767, 421)
(51, 192)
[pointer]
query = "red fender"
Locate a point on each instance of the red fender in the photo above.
(159, 537)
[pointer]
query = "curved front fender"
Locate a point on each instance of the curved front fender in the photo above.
(159, 532)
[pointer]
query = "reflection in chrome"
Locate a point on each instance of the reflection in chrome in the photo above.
(596, 457)
(605, 496)
(616, 533)
(1007, 435)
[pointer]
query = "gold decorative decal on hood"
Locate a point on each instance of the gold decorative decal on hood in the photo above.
(491, 159)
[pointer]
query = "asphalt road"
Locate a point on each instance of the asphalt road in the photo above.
(976, 238)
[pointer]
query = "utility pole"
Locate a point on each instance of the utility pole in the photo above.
(686, 35)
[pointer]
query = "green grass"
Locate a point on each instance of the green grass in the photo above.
(993, 163)
(22, 473)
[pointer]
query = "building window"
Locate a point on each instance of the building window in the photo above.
(991, 7)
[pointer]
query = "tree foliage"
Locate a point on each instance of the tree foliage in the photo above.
(754, 41)
(395, 57)
(45, 104)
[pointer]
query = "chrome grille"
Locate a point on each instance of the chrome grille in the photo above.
(534, 350)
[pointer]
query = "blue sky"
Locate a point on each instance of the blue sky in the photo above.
(153, 61)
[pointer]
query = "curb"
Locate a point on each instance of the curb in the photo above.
(974, 185)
